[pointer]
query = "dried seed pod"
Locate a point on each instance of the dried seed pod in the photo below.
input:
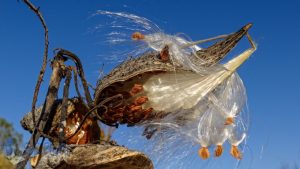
(76, 110)
(129, 77)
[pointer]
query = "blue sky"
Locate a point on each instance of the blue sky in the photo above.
(271, 75)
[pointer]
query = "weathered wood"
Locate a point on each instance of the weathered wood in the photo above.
(57, 75)
(95, 156)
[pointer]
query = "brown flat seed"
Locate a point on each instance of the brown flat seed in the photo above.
(235, 152)
(136, 89)
(218, 151)
(141, 100)
(137, 36)
(204, 153)
(134, 108)
(229, 121)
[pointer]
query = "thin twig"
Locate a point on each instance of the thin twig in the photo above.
(46, 135)
(76, 84)
(91, 86)
(101, 71)
(64, 106)
(43, 68)
(40, 151)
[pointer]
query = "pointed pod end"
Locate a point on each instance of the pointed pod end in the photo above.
(247, 27)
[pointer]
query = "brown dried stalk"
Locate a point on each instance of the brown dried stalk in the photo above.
(43, 68)
(78, 64)
(64, 106)
(56, 77)
(76, 83)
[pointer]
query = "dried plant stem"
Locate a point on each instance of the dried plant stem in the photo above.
(40, 150)
(64, 106)
(56, 77)
(43, 68)
(78, 64)
(76, 84)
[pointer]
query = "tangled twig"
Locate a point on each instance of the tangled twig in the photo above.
(78, 64)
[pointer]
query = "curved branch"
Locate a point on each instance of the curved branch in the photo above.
(44, 64)
(79, 66)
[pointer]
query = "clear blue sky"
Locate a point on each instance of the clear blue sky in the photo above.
(271, 75)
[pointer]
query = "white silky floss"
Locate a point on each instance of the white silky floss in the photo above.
(222, 90)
